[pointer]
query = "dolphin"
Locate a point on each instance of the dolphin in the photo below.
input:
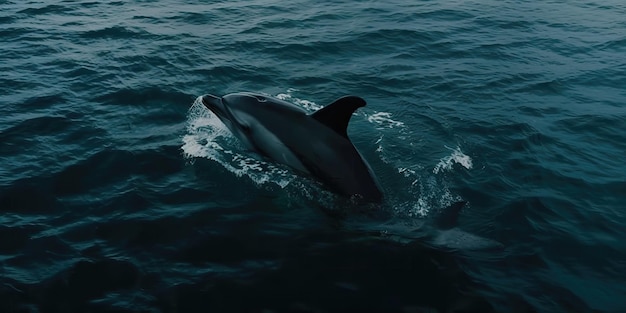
(316, 144)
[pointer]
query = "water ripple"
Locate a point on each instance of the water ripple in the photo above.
(104, 208)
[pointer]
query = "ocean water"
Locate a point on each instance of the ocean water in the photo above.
(119, 192)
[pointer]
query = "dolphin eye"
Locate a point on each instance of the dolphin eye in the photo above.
(246, 129)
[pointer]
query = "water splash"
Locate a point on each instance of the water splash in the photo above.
(384, 120)
(433, 192)
(428, 194)
(422, 192)
(457, 157)
(207, 137)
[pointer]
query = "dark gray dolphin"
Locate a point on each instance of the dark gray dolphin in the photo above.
(316, 143)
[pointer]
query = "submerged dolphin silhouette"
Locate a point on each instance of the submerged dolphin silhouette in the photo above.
(441, 232)
(316, 144)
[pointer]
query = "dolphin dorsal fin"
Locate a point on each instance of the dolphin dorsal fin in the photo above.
(448, 217)
(337, 114)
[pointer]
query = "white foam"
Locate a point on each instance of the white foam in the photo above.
(306, 104)
(407, 172)
(457, 157)
(423, 193)
(384, 120)
(420, 208)
(420, 191)
(435, 196)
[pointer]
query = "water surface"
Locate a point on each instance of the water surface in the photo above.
(119, 192)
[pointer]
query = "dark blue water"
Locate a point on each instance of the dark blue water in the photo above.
(120, 193)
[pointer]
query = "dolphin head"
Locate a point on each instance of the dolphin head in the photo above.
(220, 107)
(233, 102)
(243, 111)
(248, 103)
(233, 110)
(215, 104)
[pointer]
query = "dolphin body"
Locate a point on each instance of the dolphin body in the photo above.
(315, 144)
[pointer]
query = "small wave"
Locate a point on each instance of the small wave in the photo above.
(96, 171)
(141, 96)
(37, 126)
(49, 9)
(457, 157)
(115, 32)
